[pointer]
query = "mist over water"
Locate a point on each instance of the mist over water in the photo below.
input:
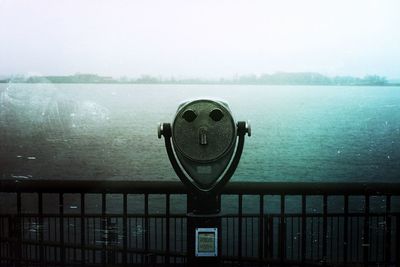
(300, 133)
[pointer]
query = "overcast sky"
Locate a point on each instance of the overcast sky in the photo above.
(200, 38)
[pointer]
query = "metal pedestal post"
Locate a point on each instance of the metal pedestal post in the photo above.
(203, 212)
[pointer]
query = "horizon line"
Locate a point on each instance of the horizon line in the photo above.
(184, 77)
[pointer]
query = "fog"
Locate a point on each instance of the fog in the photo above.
(203, 39)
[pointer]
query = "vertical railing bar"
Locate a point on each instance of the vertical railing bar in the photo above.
(345, 229)
(152, 230)
(266, 237)
(252, 236)
(31, 247)
(227, 236)
(303, 229)
(282, 228)
(167, 228)
(366, 244)
(2, 234)
(155, 234)
(142, 241)
(337, 239)
(68, 239)
(234, 236)
(137, 239)
(358, 234)
(159, 239)
(19, 230)
(388, 232)
(8, 251)
(28, 247)
(36, 234)
(397, 240)
(298, 235)
(40, 229)
(45, 254)
(374, 239)
(292, 238)
(146, 226)
(162, 235)
(378, 239)
(312, 239)
(325, 229)
(83, 229)
(104, 237)
(55, 238)
(245, 236)
(61, 224)
(331, 239)
(74, 234)
(352, 241)
(181, 220)
(94, 240)
(175, 235)
(125, 229)
(261, 231)
(240, 213)
(12, 234)
(319, 248)
(48, 238)
(130, 238)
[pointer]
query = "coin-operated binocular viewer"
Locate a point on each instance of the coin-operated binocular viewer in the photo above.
(204, 146)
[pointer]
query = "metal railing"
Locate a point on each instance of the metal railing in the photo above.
(99, 223)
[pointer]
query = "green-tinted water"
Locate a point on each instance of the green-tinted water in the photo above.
(300, 133)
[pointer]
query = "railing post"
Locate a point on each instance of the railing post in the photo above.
(270, 237)
(61, 229)
(147, 260)
(18, 228)
(325, 230)
(167, 229)
(40, 229)
(240, 226)
(261, 231)
(365, 243)
(203, 212)
(104, 230)
(83, 229)
(345, 229)
(109, 235)
(125, 230)
(12, 235)
(282, 232)
(303, 229)
(397, 240)
(388, 231)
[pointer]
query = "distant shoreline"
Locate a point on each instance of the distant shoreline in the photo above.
(203, 83)
(279, 78)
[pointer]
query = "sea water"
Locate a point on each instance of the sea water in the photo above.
(108, 131)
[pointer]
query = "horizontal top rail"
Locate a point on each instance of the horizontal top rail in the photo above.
(173, 187)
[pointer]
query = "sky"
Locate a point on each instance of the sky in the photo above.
(200, 38)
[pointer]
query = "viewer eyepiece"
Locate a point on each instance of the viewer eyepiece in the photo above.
(204, 143)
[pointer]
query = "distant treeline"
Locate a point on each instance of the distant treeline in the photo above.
(279, 78)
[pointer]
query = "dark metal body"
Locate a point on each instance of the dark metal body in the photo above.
(203, 206)
(204, 136)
